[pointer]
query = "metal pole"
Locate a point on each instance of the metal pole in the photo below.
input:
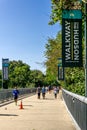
(2, 73)
(85, 63)
(85, 50)
(2, 82)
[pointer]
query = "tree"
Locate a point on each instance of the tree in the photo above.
(37, 78)
(52, 53)
(18, 74)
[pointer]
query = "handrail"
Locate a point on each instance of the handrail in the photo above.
(77, 106)
(79, 97)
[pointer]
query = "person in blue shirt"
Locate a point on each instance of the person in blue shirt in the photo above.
(43, 92)
(15, 93)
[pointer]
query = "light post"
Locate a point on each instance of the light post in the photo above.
(86, 50)
(85, 4)
(85, 1)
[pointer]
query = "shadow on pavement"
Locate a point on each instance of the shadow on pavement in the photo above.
(8, 115)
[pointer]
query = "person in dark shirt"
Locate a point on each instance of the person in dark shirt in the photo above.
(38, 92)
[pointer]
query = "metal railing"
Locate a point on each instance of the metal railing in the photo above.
(77, 106)
(7, 96)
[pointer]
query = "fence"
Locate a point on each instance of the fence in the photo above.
(77, 105)
(6, 94)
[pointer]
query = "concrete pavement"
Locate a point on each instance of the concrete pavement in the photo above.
(38, 114)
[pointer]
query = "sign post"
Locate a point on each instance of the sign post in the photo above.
(60, 70)
(85, 4)
(86, 50)
(5, 65)
(86, 59)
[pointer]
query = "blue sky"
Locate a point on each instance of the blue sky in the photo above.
(24, 31)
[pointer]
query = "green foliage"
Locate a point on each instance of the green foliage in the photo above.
(37, 77)
(18, 73)
(51, 79)
(75, 80)
(52, 53)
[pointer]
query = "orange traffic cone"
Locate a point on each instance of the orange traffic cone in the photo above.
(21, 105)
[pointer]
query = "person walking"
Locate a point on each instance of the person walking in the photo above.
(38, 92)
(43, 92)
(57, 89)
(55, 92)
(15, 93)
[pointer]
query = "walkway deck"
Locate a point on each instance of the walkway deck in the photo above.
(47, 114)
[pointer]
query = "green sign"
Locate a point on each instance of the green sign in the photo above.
(5, 65)
(72, 14)
(60, 73)
(72, 38)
